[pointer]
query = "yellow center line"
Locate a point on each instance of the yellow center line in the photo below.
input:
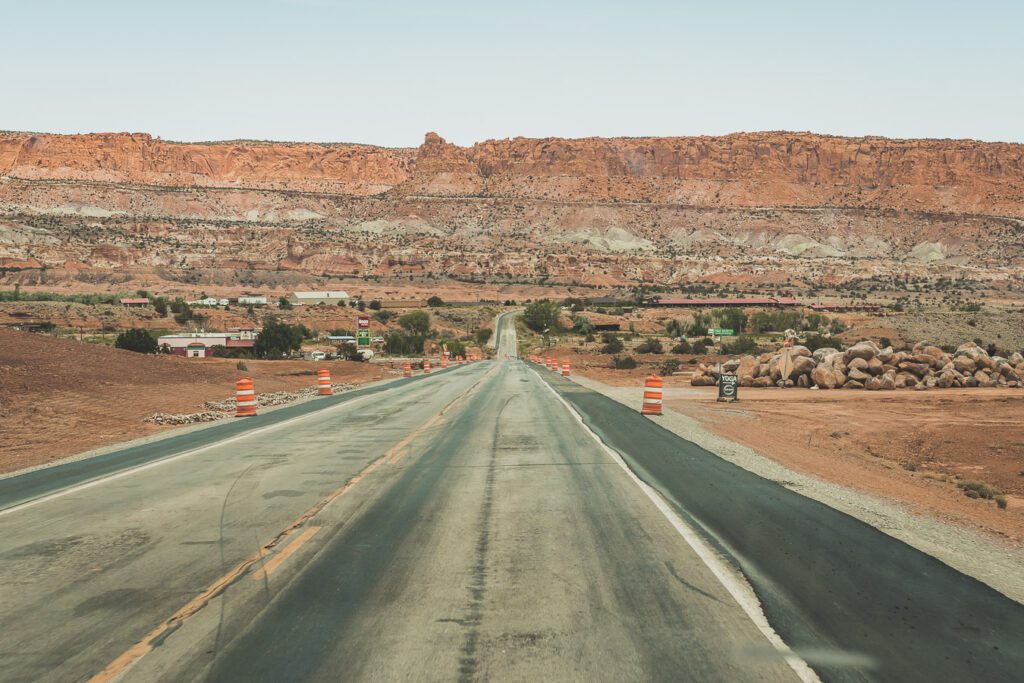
(133, 654)
(288, 551)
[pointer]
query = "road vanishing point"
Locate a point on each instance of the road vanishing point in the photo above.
(491, 521)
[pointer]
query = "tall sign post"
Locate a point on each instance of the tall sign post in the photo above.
(362, 331)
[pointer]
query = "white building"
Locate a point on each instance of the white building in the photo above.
(313, 298)
(252, 301)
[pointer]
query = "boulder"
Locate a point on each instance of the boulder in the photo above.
(875, 366)
(746, 381)
(826, 351)
(763, 381)
(920, 386)
(803, 381)
(857, 364)
(729, 366)
(873, 384)
(786, 383)
(919, 369)
(1015, 358)
(747, 367)
(886, 355)
(945, 380)
(888, 381)
(853, 384)
(802, 365)
(865, 350)
(858, 375)
(702, 381)
(964, 364)
(824, 377)
(800, 351)
(970, 381)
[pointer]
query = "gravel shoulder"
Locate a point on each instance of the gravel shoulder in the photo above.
(990, 559)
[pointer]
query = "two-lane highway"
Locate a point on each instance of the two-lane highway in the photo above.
(481, 523)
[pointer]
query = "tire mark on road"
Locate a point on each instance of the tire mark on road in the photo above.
(469, 663)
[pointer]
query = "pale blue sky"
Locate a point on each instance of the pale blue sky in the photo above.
(385, 72)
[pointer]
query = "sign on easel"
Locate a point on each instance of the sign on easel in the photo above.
(728, 388)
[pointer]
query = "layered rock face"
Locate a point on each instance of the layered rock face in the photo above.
(593, 211)
(141, 159)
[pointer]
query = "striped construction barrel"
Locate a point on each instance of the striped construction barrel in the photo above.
(565, 368)
(652, 396)
(245, 398)
(426, 367)
(406, 369)
(323, 382)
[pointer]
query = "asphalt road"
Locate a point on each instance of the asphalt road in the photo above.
(466, 525)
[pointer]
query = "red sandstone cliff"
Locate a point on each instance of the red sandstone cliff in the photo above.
(741, 170)
(142, 159)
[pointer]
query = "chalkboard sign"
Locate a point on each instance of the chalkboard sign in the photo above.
(728, 388)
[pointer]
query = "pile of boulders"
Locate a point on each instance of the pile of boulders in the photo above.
(865, 365)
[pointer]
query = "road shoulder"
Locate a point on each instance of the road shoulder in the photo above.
(966, 550)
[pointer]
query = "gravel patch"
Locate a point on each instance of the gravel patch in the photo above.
(966, 550)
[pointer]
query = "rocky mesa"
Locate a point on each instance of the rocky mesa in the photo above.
(751, 206)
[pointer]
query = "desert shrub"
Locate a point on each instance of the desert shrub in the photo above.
(581, 325)
(650, 345)
(284, 304)
(815, 342)
(701, 345)
(403, 343)
(383, 317)
(435, 301)
(240, 365)
(612, 345)
(978, 489)
(1001, 502)
(682, 347)
(742, 344)
(623, 362)
(670, 366)
(375, 305)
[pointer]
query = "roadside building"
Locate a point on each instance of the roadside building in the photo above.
(130, 302)
(208, 301)
(252, 300)
(200, 344)
(332, 298)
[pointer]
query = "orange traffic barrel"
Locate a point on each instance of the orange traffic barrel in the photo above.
(323, 382)
(565, 368)
(245, 398)
(444, 361)
(407, 369)
(554, 365)
(652, 396)
(426, 367)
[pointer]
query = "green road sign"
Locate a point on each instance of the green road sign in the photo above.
(362, 337)
(716, 332)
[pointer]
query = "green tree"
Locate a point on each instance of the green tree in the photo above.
(137, 340)
(277, 340)
(455, 347)
(732, 318)
(483, 335)
(383, 317)
(581, 325)
(160, 306)
(416, 323)
(400, 343)
(435, 301)
(541, 315)
(375, 305)
(284, 304)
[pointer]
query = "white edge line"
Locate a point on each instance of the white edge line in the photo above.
(184, 454)
(736, 586)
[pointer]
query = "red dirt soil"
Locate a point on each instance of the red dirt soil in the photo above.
(60, 397)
